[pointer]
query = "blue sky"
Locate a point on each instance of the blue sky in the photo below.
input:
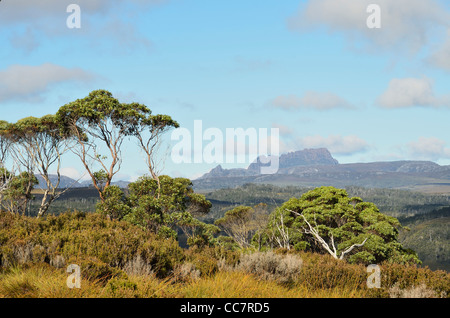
(312, 69)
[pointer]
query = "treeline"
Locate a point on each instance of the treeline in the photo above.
(430, 238)
(93, 128)
(393, 202)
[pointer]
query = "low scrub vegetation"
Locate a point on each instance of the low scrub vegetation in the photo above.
(119, 259)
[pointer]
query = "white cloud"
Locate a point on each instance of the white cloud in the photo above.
(310, 100)
(100, 20)
(26, 82)
(404, 23)
(73, 173)
(409, 92)
(429, 148)
(20, 11)
(336, 144)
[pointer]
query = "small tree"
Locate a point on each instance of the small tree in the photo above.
(327, 220)
(5, 143)
(100, 120)
(115, 203)
(15, 145)
(18, 193)
(149, 133)
(175, 206)
(42, 142)
(243, 222)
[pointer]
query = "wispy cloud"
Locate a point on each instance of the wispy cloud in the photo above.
(429, 148)
(405, 24)
(47, 19)
(410, 92)
(29, 82)
(336, 144)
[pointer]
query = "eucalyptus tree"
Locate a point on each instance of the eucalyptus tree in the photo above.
(39, 143)
(327, 220)
(20, 194)
(243, 223)
(176, 206)
(149, 134)
(5, 143)
(99, 122)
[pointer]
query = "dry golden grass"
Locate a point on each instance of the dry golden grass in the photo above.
(236, 284)
(43, 281)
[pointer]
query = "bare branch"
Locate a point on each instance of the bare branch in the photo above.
(325, 245)
(351, 248)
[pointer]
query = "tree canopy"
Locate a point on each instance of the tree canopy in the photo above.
(161, 206)
(327, 219)
(100, 120)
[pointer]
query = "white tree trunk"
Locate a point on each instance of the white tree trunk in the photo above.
(331, 250)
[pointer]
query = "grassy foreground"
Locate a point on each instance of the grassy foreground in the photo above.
(120, 260)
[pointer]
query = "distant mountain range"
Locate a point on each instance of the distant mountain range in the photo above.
(313, 168)
(317, 167)
(67, 182)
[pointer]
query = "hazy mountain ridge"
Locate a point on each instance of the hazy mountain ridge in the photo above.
(316, 167)
(67, 182)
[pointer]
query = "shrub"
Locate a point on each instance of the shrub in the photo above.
(120, 287)
(204, 259)
(55, 239)
(95, 270)
(325, 272)
(186, 272)
(421, 291)
(271, 266)
(114, 204)
(409, 279)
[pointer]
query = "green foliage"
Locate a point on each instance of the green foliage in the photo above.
(244, 222)
(393, 202)
(98, 110)
(341, 221)
(17, 193)
(164, 204)
(206, 259)
(114, 205)
(37, 144)
(96, 121)
(431, 239)
(84, 237)
(106, 250)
